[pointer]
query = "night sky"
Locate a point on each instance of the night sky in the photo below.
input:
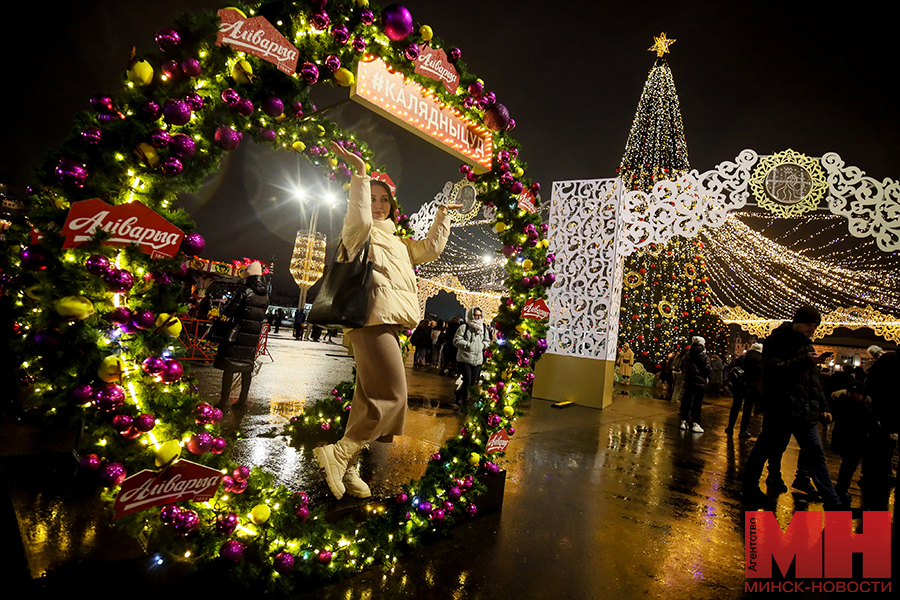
(762, 75)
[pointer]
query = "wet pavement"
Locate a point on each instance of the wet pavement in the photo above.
(613, 503)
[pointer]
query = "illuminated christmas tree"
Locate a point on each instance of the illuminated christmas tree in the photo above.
(665, 287)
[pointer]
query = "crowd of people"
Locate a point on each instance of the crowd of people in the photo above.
(785, 379)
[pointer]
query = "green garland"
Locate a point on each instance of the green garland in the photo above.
(69, 355)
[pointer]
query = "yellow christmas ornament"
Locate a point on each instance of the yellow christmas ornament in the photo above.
(172, 327)
(140, 73)
(344, 77)
(362, 3)
(167, 453)
(332, 161)
(298, 146)
(239, 11)
(260, 513)
(500, 227)
(426, 33)
(474, 459)
(521, 327)
(111, 369)
(147, 153)
(242, 71)
(527, 264)
(508, 411)
(321, 131)
(74, 307)
(519, 172)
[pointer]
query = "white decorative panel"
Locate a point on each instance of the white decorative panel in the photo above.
(584, 301)
(872, 208)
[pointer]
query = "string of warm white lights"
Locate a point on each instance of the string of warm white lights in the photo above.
(768, 279)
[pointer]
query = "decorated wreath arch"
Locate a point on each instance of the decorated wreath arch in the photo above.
(95, 310)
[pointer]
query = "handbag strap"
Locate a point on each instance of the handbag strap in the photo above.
(364, 251)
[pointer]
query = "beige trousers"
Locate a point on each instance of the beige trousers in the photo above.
(378, 410)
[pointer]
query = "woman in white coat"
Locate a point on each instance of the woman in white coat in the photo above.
(472, 338)
(378, 410)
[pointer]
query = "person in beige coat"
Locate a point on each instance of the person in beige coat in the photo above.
(625, 361)
(378, 410)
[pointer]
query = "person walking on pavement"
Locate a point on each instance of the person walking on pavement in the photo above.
(299, 320)
(248, 308)
(794, 404)
(696, 370)
(882, 385)
(378, 411)
(854, 434)
(471, 339)
(745, 373)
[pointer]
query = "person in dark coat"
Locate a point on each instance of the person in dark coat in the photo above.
(421, 339)
(794, 404)
(745, 374)
(248, 308)
(855, 430)
(696, 368)
(882, 381)
(299, 320)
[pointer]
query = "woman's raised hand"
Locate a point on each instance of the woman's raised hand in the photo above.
(358, 164)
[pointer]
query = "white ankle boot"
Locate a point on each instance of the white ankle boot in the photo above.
(353, 484)
(334, 459)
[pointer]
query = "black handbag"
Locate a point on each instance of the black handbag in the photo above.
(223, 331)
(342, 301)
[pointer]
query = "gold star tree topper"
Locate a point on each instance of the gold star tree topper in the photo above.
(661, 44)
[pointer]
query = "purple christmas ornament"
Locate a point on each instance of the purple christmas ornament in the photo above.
(191, 67)
(227, 138)
(332, 62)
(172, 371)
(168, 513)
(160, 138)
(172, 166)
(176, 112)
(171, 69)
(412, 52)
(454, 53)
(83, 393)
(273, 106)
(113, 474)
(97, 264)
(218, 445)
(340, 33)
(244, 107)
(241, 473)
(182, 146)
(268, 135)
(397, 22)
(90, 462)
(167, 39)
(193, 244)
(230, 97)
(232, 550)
(283, 562)
(34, 258)
(120, 314)
(118, 280)
(194, 100)
(496, 117)
(476, 88)
(309, 72)
(102, 103)
(145, 422)
(320, 20)
(143, 319)
(226, 524)
(359, 44)
(110, 397)
(150, 110)
(91, 135)
(186, 521)
(70, 173)
(122, 422)
(366, 16)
